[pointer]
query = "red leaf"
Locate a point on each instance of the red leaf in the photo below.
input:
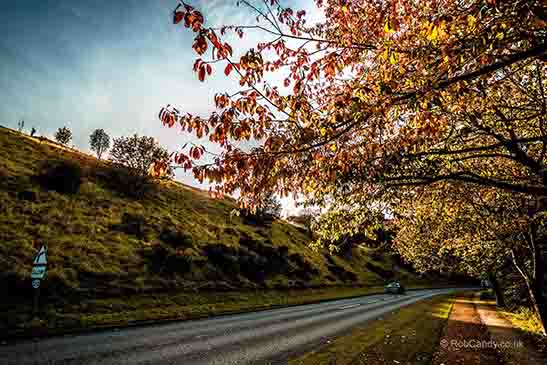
(201, 74)
(200, 45)
(209, 70)
(178, 16)
(228, 69)
(197, 64)
(287, 82)
(228, 48)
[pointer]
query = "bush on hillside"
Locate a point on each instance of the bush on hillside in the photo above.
(225, 258)
(176, 238)
(342, 273)
(255, 264)
(126, 183)
(384, 274)
(163, 259)
(283, 251)
(61, 176)
(132, 224)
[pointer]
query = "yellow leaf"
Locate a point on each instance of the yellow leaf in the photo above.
(333, 148)
(471, 21)
(386, 27)
(385, 54)
(392, 59)
(433, 35)
(323, 131)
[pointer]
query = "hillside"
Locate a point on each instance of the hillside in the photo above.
(106, 243)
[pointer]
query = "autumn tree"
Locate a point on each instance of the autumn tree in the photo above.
(63, 135)
(307, 217)
(341, 228)
(380, 97)
(268, 209)
(99, 141)
(141, 154)
(271, 207)
(452, 229)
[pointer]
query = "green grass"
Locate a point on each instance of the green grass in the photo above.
(396, 338)
(91, 261)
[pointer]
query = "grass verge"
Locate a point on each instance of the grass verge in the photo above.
(105, 313)
(526, 321)
(409, 335)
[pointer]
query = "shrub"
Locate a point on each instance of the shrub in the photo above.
(297, 258)
(376, 255)
(125, 182)
(177, 263)
(133, 224)
(283, 251)
(176, 238)
(61, 176)
(301, 274)
(342, 273)
(384, 274)
(223, 257)
(164, 259)
(28, 195)
(252, 267)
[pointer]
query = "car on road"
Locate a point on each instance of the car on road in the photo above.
(394, 287)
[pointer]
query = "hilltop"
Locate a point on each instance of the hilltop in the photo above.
(106, 244)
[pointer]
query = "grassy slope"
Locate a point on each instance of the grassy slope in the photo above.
(91, 260)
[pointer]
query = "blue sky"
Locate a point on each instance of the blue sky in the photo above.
(103, 64)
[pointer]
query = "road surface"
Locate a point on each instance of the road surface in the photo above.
(265, 337)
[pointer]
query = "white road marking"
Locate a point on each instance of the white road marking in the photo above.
(373, 301)
(351, 306)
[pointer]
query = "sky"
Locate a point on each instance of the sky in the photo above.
(107, 64)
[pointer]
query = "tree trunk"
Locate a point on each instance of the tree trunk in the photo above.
(500, 299)
(538, 302)
(535, 285)
(541, 273)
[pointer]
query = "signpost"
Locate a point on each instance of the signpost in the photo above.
(39, 270)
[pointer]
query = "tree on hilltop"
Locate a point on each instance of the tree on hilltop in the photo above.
(143, 155)
(99, 141)
(63, 135)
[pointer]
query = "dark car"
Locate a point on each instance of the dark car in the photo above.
(395, 287)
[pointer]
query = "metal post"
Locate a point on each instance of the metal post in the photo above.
(35, 302)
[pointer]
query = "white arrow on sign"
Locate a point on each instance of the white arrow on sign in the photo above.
(41, 257)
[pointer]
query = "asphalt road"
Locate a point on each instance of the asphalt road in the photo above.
(265, 337)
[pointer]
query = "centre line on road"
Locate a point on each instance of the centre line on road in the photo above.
(350, 306)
